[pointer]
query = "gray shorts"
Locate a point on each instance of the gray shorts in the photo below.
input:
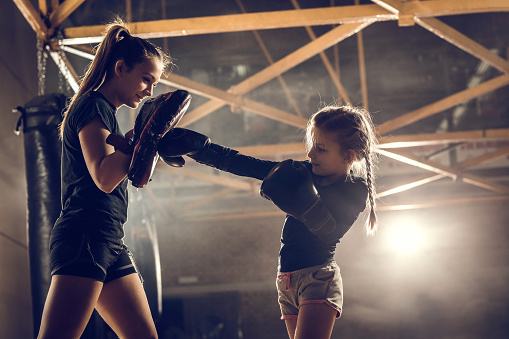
(316, 284)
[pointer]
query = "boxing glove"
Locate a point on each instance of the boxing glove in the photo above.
(180, 141)
(289, 185)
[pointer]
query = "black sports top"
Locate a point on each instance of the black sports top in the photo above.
(85, 208)
(346, 199)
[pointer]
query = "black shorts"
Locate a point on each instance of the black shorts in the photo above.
(82, 255)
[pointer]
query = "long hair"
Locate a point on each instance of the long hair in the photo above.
(354, 130)
(118, 44)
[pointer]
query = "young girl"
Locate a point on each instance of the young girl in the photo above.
(91, 267)
(322, 198)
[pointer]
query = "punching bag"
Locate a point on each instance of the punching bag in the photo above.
(40, 118)
(141, 238)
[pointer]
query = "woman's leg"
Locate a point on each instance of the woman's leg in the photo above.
(315, 321)
(124, 306)
(69, 305)
(291, 326)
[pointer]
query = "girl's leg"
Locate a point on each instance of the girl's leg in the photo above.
(315, 321)
(69, 305)
(124, 306)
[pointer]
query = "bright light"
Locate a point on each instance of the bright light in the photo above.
(406, 238)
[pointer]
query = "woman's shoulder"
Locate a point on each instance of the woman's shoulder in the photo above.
(92, 99)
(88, 106)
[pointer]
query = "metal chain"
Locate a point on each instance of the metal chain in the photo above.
(61, 66)
(41, 67)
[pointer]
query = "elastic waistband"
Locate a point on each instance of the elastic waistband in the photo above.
(304, 271)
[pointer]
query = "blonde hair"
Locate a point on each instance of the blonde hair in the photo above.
(118, 44)
(354, 130)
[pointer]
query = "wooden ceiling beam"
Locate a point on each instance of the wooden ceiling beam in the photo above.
(441, 202)
(434, 8)
(380, 207)
(62, 11)
(455, 173)
(221, 97)
(326, 62)
(443, 104)
(293, 59)
(302, 54)
(269, 58)
(237, 23)
(405, 18)
(426, 139)
(298, 148)
(33, 18)
(427, 178)
(286, 19)
(463, 42)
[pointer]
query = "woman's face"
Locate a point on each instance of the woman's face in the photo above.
(327, 157)
(137, 83)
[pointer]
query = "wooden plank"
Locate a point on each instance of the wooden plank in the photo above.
(463, 42)
(380, 208)
(441, 202)
(433, 8)
(443, 104)
(409, 184)
(425, 139)
(237, 23)
(300, 55)
(454, 173)
(269, 58)
(427, 178)
(43, 7)
(63, 11)
(285, 19)
(32, 17)
(497, 154)
(220, 98)
(326, 62)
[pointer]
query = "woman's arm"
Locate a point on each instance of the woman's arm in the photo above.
(106, 166)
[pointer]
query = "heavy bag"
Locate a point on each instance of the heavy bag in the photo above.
(141, 238)
(40, 118)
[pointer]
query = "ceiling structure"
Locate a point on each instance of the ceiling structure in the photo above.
(434, 74)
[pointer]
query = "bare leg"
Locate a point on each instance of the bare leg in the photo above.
(124, 306)
(69, 305)
(291, 326)
(315, 321)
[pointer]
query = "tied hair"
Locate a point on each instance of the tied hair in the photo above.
(354, 130)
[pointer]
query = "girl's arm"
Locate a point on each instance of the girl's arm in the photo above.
(106, 166)
(180, 141)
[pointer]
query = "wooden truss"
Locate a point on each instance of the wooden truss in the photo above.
(350, 20)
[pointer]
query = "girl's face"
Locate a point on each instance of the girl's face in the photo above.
(328, 159)
(137, 83)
